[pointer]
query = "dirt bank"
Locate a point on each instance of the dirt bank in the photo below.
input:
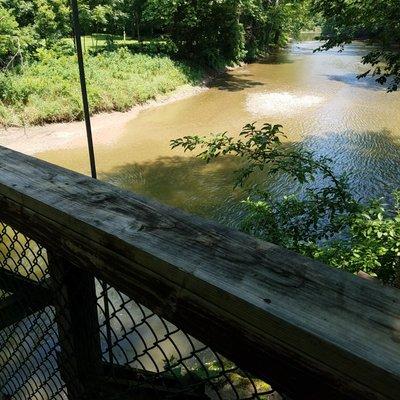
(106, 127)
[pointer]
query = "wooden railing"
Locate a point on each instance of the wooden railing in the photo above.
(311, 331)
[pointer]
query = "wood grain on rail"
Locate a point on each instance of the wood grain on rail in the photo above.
(316, 332)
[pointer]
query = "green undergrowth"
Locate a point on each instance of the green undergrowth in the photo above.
(48, 90)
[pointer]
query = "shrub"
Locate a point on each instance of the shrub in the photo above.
(48, 90)
(325, 221)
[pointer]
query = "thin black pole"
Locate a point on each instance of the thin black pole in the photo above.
(77, 34)
(78, 44)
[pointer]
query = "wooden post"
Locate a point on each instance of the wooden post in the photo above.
(19, 305)
(78, 327)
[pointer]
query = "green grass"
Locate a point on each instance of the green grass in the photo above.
(49, 91)
(99, 40)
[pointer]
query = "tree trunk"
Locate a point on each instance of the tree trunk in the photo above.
(396, 282)
(137, 25)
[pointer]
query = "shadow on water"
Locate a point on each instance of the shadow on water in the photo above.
(234, 83)
(186, 183)
(352, 80)
(278, 57)
(371, 159)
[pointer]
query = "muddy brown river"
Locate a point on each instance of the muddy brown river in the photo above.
(322, 106)
(315, 96)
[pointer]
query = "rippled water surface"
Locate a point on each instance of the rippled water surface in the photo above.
(315, 96)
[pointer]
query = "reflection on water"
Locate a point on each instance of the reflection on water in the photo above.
(370, 158)
(281, 104)
(315, 96)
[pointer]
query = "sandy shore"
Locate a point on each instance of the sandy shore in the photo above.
(107, 127)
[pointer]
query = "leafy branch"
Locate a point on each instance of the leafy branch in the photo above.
(325, 221)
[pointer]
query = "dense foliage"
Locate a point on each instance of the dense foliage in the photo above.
(203, 30)
(375, 20)
(227, 30)
(38, 74)
(26, 25)
(207, 31)
(48, 91)
(325, 221)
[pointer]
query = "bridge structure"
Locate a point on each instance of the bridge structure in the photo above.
(105, 294)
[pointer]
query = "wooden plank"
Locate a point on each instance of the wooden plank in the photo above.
(77, 323)
(106, 389)
(27, 297)
(20, 305)
(314, 332)
(12, 282)
(138, 384)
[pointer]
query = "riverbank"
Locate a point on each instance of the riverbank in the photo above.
(106, 127)
(48, 90)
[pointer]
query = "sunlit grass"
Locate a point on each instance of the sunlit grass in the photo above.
(100, 40)
(49, 91)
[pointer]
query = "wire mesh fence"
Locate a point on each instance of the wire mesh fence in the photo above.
(28, 335)
(141, 355)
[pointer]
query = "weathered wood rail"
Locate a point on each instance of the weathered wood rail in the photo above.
(312, 331)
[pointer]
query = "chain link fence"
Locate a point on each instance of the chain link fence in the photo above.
(28, 334)
(143, 356)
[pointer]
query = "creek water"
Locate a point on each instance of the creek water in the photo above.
(315, 96)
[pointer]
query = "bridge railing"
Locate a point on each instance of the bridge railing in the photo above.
(106, 294)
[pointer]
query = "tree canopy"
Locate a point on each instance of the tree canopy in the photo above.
(211, 32)
(375, 20)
